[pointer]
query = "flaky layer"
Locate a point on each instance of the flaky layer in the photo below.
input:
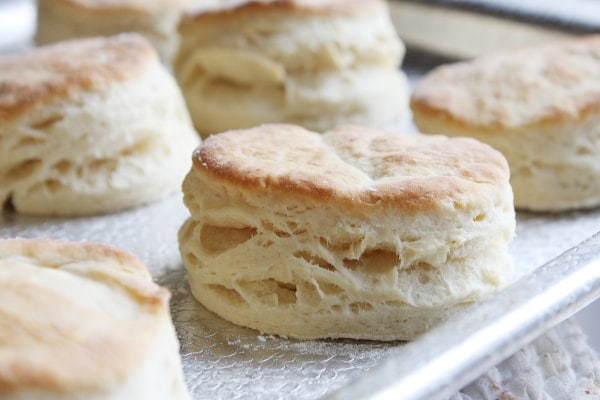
(60, 20)
(340, 228)
(286, 267)
(120, 6)
(285, 66)
(553, 167)
(228, 10)
(83, 321)
(119, 145)
(368, 96)
(350, 317)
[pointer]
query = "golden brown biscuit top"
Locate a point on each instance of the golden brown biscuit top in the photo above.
(73, 316)
(40, 75)
(235, 9)
(134, 6)
(357, 166)
(549, 84)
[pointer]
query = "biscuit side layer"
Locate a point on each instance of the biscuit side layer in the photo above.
(114, 7)
(553, 168)
(296, 267)
(100, 150)
(60, 21)
(312, 70)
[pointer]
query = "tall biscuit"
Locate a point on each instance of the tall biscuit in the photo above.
(315, 64)
(540, 107)
(83, 322)
(90, 126)
(356, 233)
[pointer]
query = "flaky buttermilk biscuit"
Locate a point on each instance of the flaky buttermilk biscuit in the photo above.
(157, 20)
(357, 233)
(83, 322)
(540, 107)
(90, 126)
(316, 64)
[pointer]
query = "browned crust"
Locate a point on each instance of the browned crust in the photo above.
(423, 109)
(111, 7)
(292, 7)
(47, 73)
(430, 100)
(74, 356)
(475, 166)
(131, 274)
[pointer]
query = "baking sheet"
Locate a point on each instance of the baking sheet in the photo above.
(224, 361)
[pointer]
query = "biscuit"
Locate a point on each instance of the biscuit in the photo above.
(316, 64)
(59, 20)
(356, 233)
(83, 321)
(90, 126)
(540, 107)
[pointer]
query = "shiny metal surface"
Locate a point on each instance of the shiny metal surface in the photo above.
(461, 350)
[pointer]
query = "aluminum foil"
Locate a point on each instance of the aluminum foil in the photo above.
(224, 361)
